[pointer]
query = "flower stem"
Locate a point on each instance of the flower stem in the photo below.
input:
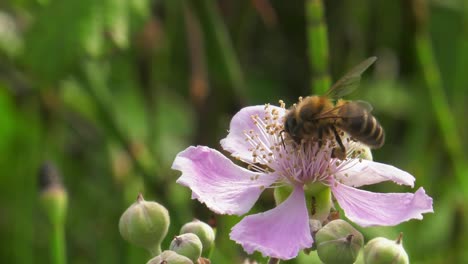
(57, 243)
(318, 46)
(54, 202)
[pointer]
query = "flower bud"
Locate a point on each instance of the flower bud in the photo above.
(338, 242)
(145, 224)
(53, 195)
(381, 251)
(188, 245)
(169, 257)
(204, 232)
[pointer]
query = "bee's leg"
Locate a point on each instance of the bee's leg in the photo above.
(341, 151)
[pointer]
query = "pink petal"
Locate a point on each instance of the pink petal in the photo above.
(242, 122)
(216, 181)
(381, 209)
(366, 172)
(280, 232)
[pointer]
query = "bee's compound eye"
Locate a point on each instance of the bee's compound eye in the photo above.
(290, 125)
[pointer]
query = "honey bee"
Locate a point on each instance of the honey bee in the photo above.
(319, 118)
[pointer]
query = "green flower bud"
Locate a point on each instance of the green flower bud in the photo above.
(338, 242)
(53, 196)
(145, 224)
(381, 251)
(203, 231)
(54, 201)
(188, 245)
(169, 257)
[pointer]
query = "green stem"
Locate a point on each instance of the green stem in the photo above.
(106, 115)
(433, 81)
(57, 243)
(219, 46)
(444, 116)
(318, 46)
(460, 89)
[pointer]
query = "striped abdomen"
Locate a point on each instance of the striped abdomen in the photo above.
(362, 126)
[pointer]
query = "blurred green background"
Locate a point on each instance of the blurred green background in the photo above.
(111, 90)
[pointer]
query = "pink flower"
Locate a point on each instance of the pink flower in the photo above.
(255, 138)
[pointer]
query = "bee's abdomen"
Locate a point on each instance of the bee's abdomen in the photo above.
(365, 129)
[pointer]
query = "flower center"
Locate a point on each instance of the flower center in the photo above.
(273, 152)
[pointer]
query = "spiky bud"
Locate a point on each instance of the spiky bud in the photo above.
(338, 243)
(145, 224)
(381, 250)
(204, 232)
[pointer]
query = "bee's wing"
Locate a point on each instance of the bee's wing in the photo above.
(350, 81)
(362, 104)
(359, 109)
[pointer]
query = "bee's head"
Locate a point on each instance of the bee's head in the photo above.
(292, 127)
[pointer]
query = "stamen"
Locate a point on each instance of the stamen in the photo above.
(309, 161)
(282, 104)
